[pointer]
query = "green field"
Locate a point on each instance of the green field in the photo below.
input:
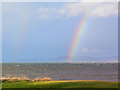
(61, 84)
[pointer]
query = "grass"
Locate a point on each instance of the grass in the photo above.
(60, 84)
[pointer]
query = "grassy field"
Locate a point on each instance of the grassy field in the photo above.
(61, 84)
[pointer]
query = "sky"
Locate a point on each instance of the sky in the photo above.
(46, 30)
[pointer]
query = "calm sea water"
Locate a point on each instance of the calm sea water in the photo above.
(63, 71)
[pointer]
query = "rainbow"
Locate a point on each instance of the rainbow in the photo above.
(76, 39)
(21, 32)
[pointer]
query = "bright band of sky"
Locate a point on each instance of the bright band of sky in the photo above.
(60, 0)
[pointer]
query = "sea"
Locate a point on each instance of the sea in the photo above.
(63, 71)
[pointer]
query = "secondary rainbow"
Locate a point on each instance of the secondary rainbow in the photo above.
(76, 38)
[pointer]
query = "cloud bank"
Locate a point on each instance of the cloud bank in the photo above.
(86, 50)
(76, 9)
